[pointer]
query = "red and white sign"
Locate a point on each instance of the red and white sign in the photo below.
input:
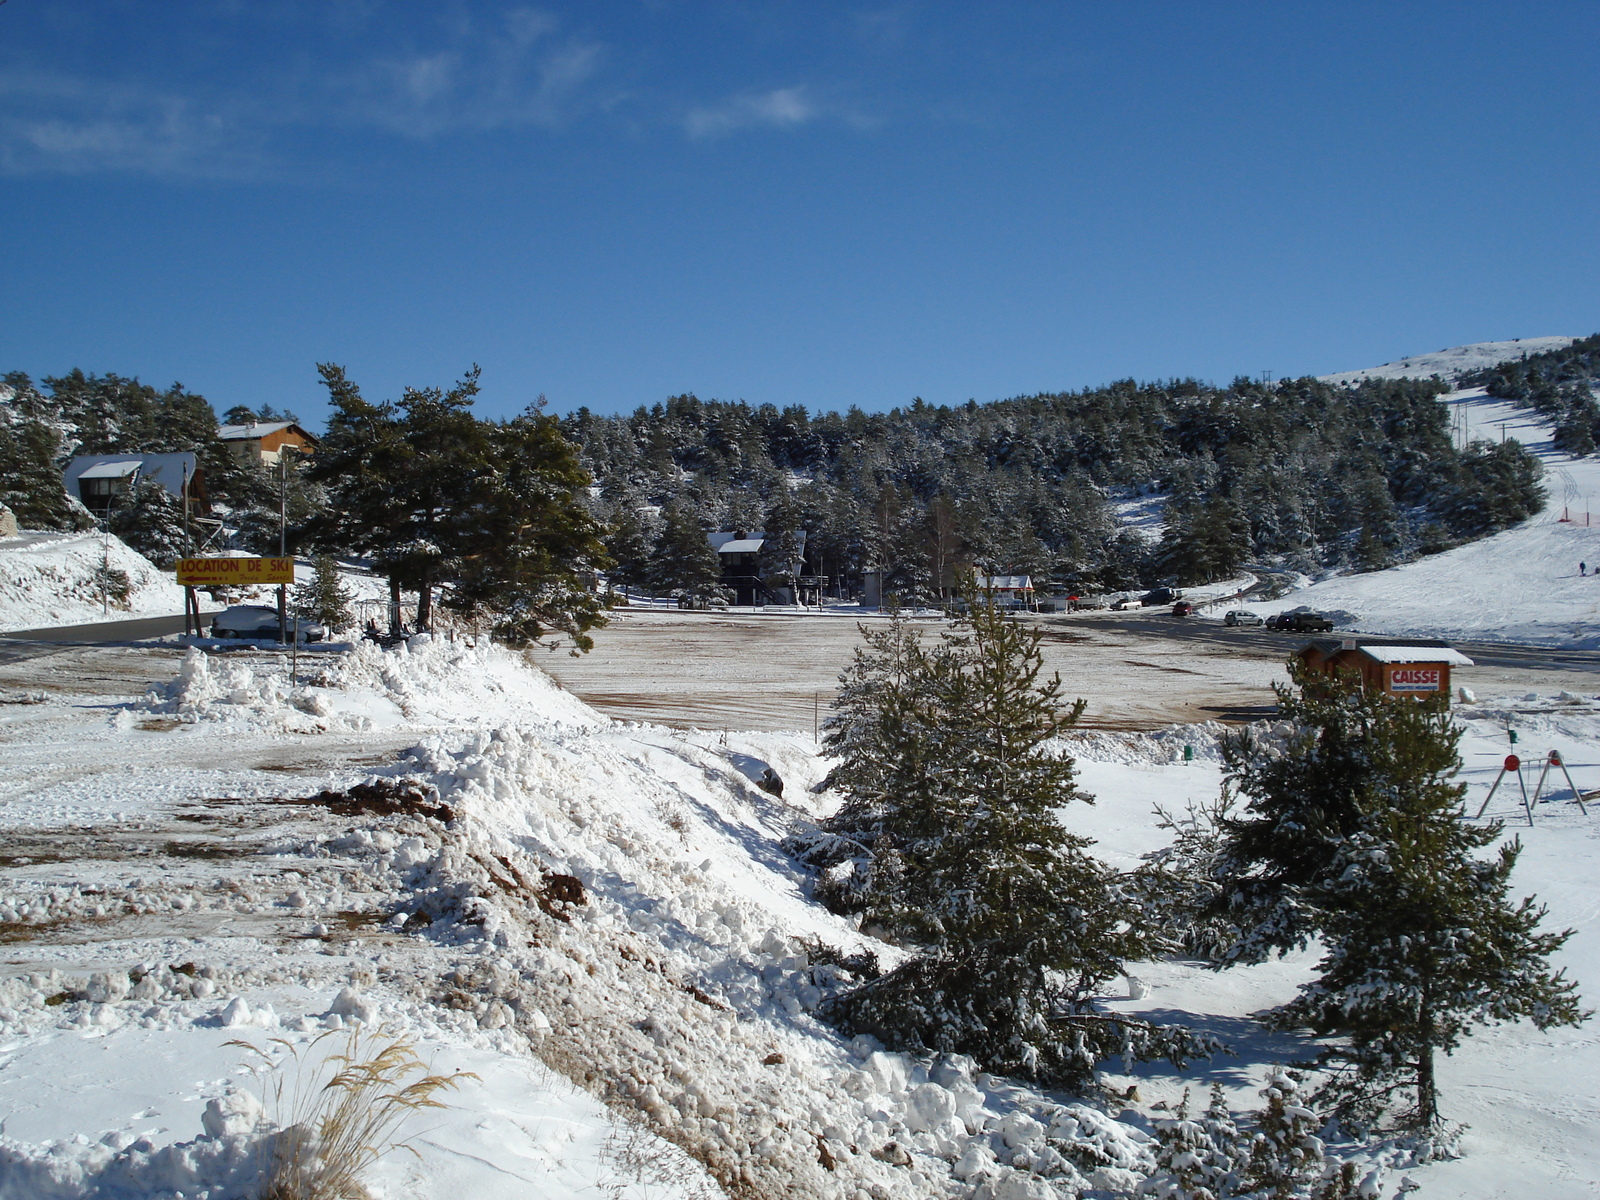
(1415, 679)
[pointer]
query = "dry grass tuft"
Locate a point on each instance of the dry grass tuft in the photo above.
(340, 1111)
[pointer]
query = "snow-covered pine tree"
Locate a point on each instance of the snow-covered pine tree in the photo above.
(685, 564)
(628, 541)
(882, 721)
(1016, 924)
(1355, 832)
(150, 519)
(1197, 1156)
(324, 598)
(779, 558)
(1283, 1154)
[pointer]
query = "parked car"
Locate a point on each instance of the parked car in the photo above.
(1160, 596)
(1304, 621)
(258, 621)
(1183, 609)
(1125, 603)
(1240, 616)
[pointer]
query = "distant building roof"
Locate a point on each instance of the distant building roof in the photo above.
(1005, 583)
(120, 469)
(166, 469)
(253, 429)
(742, 546)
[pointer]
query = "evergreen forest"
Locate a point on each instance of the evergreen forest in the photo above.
(1300, 473)
(1296, 473)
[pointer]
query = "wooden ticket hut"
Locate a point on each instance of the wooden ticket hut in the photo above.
(1393, 666)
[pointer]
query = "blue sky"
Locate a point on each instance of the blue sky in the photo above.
(795, 203)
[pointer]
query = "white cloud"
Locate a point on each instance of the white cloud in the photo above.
(516, 75)
(60, 124)
(782, 108)
(516, 72)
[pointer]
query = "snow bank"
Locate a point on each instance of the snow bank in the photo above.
(49, 579)
(1156, 747)
(430, 681)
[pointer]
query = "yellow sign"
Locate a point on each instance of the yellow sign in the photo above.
(234, 572)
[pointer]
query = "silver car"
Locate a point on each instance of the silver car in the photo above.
(1241, 616)
(258, 622)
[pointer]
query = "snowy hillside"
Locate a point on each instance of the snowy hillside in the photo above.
(49, 579)
(1457, 360)
(1523, 585)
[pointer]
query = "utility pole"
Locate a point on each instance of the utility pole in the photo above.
(105, 564)
(283, 542)
(191, 606)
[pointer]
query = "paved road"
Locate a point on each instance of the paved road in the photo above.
(1269, 642)
(23, 644)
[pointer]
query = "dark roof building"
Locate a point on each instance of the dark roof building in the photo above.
(98, 479)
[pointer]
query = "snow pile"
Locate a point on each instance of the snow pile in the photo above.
(1454, 362)
(429, 682)
(225, 1165)
(647, 933)
(49, 579)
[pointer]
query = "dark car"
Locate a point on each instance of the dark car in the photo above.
(1183, 609)
(1304, 621)
(258, 622)
(1159, 596)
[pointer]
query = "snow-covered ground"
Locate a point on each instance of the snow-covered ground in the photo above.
(568, 898)
(1455, 361)
(49, 579)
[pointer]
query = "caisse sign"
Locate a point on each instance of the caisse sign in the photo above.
(234, 572)
(1415, 679)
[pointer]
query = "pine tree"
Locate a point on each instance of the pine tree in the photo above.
(1196, 1157)
(685, 565)
(324, 598)
(437, 497)
(781, 544)
(1354, 832)
(878, 732)
(30, 477)
(150, 519)
(525, 547)
(1015, 924)
(629, 544)
(1283, 1154)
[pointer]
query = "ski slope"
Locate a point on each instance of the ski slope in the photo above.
(1523, 585)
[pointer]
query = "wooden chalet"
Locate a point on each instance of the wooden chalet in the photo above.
(264, 442)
